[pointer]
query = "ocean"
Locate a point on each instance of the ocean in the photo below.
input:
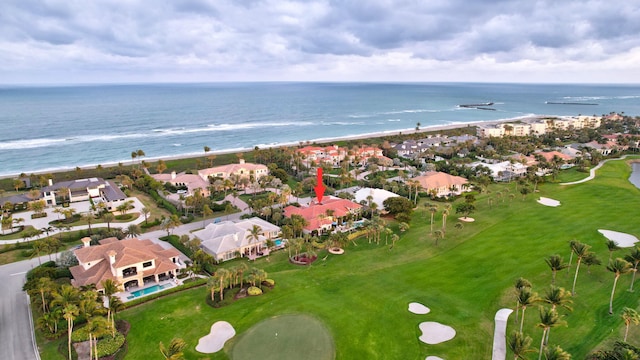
(51, 128)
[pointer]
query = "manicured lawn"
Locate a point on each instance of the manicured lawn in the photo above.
(363, 295)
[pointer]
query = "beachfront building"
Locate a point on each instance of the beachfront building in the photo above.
(82, 190)
(228, 240)
(318, 155)
(576, 122)
(130, 263)
(242, 170)
(192, 182)
(322, 217)
(440, 184)
(363, 155)
(537, 126)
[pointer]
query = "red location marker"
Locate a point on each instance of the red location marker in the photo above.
(319, 188)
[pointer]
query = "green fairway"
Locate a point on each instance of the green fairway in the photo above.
(362, 296)
(286, 337)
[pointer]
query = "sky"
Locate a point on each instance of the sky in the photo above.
(129, 41)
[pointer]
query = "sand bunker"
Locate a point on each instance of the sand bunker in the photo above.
(433, 358)
(622, 239)
(418, 308)
(467, 219)
(548, 202)
(435, 333)
(221, 331)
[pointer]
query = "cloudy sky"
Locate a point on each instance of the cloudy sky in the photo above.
(79, 41)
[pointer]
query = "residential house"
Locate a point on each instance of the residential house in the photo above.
(112, 196)
(322, 217)
(378, 196)
(503, 170)
(129, 262)
(227, 240)
(442, 184)
(604, 149)
(82, 190)
(365, 153)
(242, 170)
(192, 182)
(319, 155)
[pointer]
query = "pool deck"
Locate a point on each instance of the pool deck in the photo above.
(124, 295)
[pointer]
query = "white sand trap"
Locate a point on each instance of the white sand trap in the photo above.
(467, 219)
(221, 331)
(433, 358)
(622, 239)
(435, 333)
(418, 308)
(548, 202)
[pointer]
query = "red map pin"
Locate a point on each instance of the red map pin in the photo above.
(319, 188)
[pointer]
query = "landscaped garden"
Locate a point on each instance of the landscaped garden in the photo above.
(361, 297)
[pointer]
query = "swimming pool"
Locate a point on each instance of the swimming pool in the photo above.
(146, 291)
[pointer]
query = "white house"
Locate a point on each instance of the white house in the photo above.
(227, 240)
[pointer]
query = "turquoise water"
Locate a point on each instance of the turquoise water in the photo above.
(145, 291)
(50, 128)
(278, 242)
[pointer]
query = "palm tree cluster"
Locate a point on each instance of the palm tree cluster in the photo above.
(234, 277)
(65, 304)
(555, 297)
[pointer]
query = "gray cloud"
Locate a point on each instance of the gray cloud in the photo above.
(275, 39)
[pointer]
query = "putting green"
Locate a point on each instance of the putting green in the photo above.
(283, 337)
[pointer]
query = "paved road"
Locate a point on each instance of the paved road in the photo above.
(16, 334)
(592, 172)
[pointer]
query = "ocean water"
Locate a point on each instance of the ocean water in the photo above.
(51, 128)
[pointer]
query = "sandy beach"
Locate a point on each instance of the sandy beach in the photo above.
(425, 129)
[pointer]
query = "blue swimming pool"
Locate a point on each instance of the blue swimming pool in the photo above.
(278, 242)
(146, 291)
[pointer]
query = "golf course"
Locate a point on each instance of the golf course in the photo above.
(360, 298)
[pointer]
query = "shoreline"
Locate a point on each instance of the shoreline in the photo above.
(425, 129)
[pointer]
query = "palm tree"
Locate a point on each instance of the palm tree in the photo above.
(556, 263)
(634, 259)
(526, 298)
(581, 250)
(108, 218)
(519, 345)
(548, 318)
(432, 210)
(174, 351)
(438, 234)
(133, 230)
(591, 259)
(617, 267)
(445, 213)
(557, 296)
(221, 276)
(612, 246)
(571, 245)
(254, 234)
(630, 316)
(520, 284)
(70, 312)
(555, 352)
(44, 287)
(145, 211)
(110, 287)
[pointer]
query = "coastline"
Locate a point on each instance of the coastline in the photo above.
(425, 129)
